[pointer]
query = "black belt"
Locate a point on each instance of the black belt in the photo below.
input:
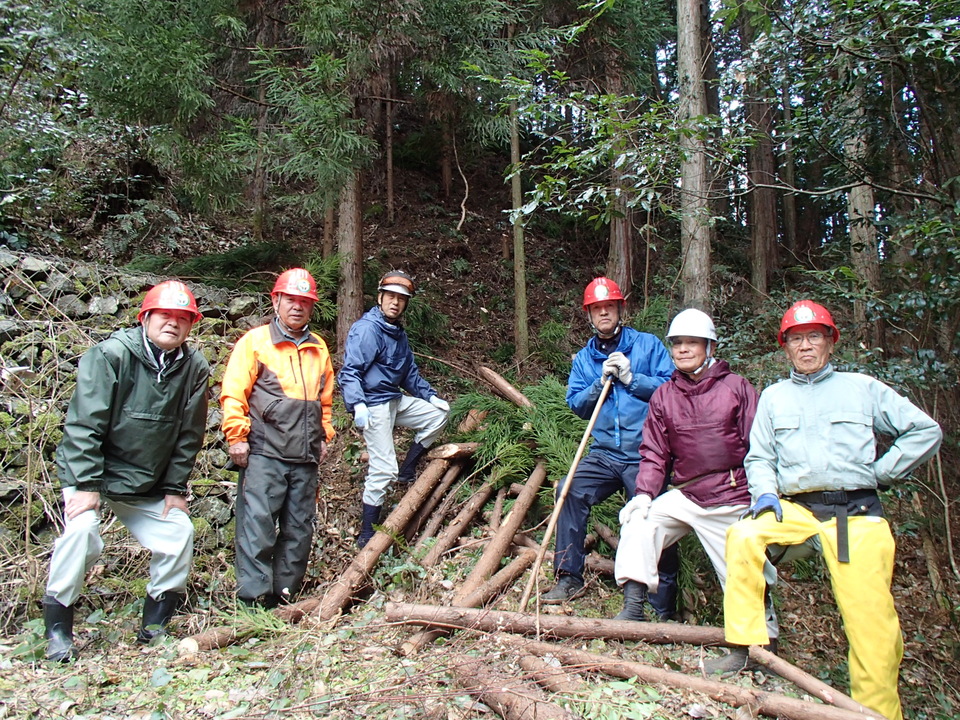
(836, 503)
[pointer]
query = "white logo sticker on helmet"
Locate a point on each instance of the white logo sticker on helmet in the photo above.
(602, 292)
(303, 286)
(804, 315)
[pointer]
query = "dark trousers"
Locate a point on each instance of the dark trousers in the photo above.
(599, 476)
(276, 507)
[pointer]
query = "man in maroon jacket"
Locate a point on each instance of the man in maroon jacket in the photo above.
(698, 430)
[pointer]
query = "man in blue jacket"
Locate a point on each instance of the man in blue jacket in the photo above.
(377, 366)
(638, 363)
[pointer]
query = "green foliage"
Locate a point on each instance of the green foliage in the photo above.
(619, 700)
(238, 268)
(554, 347)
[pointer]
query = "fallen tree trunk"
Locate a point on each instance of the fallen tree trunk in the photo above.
(356, 578)
(508, 696)
(807, 682)
(606, 534)
(503, 388)
(453, 451)
(496, 515)
(557, 626)
(439, 492)
(208, 640)
(451, 534)
(770, 704)
(554, 679)
(472, 420)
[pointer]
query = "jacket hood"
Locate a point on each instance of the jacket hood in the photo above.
(132, 339)
(711, 376)
(375, 315)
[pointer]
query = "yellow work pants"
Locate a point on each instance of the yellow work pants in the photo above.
(860, 587)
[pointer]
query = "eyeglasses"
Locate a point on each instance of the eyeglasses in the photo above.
(814, 338)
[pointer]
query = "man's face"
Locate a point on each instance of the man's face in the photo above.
(167, 329)
(293, 310)
(689, 353)
(605, 316)
(392, 304)
(808, 347)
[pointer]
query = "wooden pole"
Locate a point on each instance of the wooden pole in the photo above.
(766, 703)
(548, 534)
(449, 536)
(504, 388)
(356, 578)
(425, 510)
(557, 626)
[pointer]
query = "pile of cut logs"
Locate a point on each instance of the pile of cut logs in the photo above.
(418, 517)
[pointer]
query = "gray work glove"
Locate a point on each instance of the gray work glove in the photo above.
(618, 366)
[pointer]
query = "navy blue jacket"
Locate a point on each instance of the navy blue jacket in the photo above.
(619, 426)
(378, 364)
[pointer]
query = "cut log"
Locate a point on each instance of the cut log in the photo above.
(496, 516)
(351, 584)
(606, 534)
(472, 420)
(208, 640)
(453, 451)
(554, 679)
(807, 682)
(770, 704)
(436, 497)
(508, 696)
(451, 534)
(503, 388)
(556, 626)
(295, 612)
(501, 580)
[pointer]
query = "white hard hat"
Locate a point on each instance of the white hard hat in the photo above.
(692, 323)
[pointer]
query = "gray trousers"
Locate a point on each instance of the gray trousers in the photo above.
(672, 516)
(276, 507)
(169, 540)
(405, 411)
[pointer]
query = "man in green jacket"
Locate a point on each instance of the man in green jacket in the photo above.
(133, 429)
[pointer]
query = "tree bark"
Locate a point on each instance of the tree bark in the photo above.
(554, 626)
(521, 329)
(620, 253)
(504, 388)
(695, 228)
(439, 492)
(510, 697)
(552, 679)
(350, 243)
(453, 531)
(453, 451)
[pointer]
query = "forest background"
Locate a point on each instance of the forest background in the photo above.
(733, 156)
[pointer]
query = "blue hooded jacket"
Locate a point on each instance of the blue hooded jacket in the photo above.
(378, 363)
(619, 427)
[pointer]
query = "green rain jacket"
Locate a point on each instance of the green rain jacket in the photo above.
(132, 428)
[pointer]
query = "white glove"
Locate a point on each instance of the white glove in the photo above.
(361, 415)
(440, 404)
(638, 507)
(618, 366)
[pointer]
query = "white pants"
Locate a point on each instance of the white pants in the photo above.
(169, 540)
(672, 516)
(405, 411)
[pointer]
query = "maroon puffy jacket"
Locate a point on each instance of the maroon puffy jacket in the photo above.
(699, 432)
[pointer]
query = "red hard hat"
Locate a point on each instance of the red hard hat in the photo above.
(296, 282)
(169, 295)
(599, 290)
(806, 312)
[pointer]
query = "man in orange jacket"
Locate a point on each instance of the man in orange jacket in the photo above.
(277, 401)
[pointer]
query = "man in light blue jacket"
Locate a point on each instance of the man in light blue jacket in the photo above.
(638, 363)
(813, 473)
(378, 366)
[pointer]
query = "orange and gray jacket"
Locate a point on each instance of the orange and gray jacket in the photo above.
(277, 395)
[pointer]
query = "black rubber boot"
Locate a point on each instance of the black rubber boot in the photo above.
(408, 470)
(58, 623)
(371, 516)
(634, 595)
(156, 615)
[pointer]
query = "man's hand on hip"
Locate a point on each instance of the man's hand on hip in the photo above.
(239, 453)
(80, 502)
(174, 501)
